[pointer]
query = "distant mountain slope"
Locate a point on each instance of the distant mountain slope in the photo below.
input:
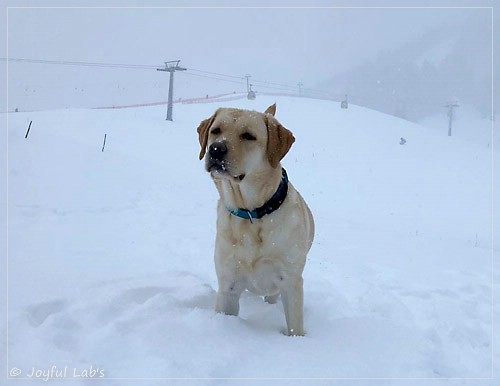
(416, 80)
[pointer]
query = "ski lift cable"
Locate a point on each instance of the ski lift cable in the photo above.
(75, 63)
(216, 73)
(259, 83)
(213, 77)
(233, 81)
(242, 77)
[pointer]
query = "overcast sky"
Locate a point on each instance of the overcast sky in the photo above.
(277, 45)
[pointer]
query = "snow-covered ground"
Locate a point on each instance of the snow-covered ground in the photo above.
(110, 254)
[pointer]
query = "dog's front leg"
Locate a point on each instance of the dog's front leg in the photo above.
(228, 296)
(292, 296)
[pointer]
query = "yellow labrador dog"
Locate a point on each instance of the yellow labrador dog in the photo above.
(264, 227)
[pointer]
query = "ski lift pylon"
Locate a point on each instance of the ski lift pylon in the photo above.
(251, 94)
(344, 104)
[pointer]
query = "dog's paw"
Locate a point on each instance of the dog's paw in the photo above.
(292, 332)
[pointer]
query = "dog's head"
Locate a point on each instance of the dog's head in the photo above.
(237, 143)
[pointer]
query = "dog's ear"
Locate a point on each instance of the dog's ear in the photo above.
(203, 134)
(279, 140)
(271, 110)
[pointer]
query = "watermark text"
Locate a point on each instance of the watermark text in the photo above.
(55, 372)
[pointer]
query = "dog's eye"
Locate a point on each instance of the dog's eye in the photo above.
(215, 131)
(248, 137)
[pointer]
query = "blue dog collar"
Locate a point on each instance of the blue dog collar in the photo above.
(269, 207)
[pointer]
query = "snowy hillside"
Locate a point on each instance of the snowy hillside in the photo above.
(111, 252)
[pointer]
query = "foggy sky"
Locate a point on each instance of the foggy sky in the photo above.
(278, 45)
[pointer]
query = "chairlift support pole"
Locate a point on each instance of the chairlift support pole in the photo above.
(248, 82)
(171, 67)
(450, 107)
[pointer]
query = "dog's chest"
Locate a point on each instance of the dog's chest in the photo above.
(257, 256)
(265, 238)
(250, 239)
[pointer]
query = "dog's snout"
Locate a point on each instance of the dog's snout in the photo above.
(217, 150)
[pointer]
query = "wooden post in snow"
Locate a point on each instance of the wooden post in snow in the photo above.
(104, 143)
(29, 127)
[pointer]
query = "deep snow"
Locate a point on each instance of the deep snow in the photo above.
(110, 260)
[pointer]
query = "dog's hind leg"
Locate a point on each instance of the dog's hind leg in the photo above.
(271, 299)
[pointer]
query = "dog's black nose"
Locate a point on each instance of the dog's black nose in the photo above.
(218, 150)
